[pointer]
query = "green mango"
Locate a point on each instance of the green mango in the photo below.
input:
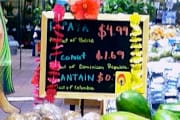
(164, 115)
(132, 101)
(173, 107)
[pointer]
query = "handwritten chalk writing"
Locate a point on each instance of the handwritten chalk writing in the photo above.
(114, 67)
(76, 87)
(72, 57)
(63, 67)
(103, 77)
(83, 88)
(65, 40)
(85, 40)
(90, 67)
(111, 30)
(109, 55)
(62, 87)
(50, 26)
(72, 66)
(77, 77)
(72, 40)
(78, 39)
(69, 40)
(69, 87)
(75, 27)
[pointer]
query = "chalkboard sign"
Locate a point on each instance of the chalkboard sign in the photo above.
(94, 51)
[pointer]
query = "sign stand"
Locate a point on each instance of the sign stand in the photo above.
(94, 53)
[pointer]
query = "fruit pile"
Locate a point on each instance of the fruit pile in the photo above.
(158, 32)
(132, 105)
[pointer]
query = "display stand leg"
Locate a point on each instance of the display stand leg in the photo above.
(82, 107)
(102, 107)
(72, 107)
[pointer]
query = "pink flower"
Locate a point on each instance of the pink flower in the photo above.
(36, 92)
(58, 12)
(50, 93)
(54, 65)
(37, 59)
(35, 79)
(53, 73)
(85, 9)
(53, 80)
(57, 47)
(56, 53)
(56, 40)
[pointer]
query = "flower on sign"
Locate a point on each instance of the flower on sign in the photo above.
(35, 79)
(85, 9)
(135, 19)
(54, 65)
(50, 93)
(53, 73)
(58, 12)
(36, 92)
(53, 80)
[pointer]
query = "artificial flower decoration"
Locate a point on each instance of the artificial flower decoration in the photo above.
(56, 45)
(136, 59)
(50, 93)
(54, 65)
(136, 45)
(135, 19)
(53, 73)
(136, 32)
(35, 82)
(85, 9)
(56, 40)
(135, 39)
(136, 53)
(56, 53)
(53, 80)
(137, 66)
(58, 12)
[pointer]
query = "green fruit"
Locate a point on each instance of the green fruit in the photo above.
(173, 107)
(122, 115)
(132, 101)
(170, 106)
(165, 115)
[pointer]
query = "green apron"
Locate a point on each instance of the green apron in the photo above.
(6, 84)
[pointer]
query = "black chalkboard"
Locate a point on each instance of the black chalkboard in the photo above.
(93, 51)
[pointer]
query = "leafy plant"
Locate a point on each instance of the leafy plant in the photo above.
(128, 7)
(115, 6)
(36, 15)
(38, 11)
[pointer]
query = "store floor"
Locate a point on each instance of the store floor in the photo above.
(22, 71)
